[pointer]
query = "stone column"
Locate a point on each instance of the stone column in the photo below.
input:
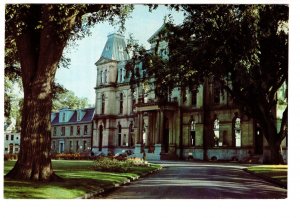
(157, 132)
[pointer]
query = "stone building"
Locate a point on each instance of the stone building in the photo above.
(71, 130)
(135, 119)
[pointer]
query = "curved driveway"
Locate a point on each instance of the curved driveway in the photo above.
(192, 180)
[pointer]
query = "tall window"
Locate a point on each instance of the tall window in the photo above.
(194, 97)
(85, 130)
(193, 132)
(70, 147)
(77, 145)
(84, 145)
(12, 137)
(103, 104)
(63, 130)
(64, 117)
(100, 76)
(71, 130)
(236, 125)
(78, 130)
(216, 130)
(7, 137)
(105, 77)
(131, 131)
(121, 103)
(100, 137)
(54, 131)
(119, 134)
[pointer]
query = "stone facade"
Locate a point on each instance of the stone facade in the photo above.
(135, 119)
(71, 130)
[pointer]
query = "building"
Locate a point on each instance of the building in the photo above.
(71, 130)
(12, 138)
(136, 119)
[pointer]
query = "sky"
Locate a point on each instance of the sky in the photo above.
(80, 77)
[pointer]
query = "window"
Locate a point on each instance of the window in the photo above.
(192, 132)
(12, 137)
(54, 131)
(100, 137)
(71, 130)
(119, 134)
(7, 137)
(103, 104)
(6, 149)
(121, 103)
(105, 77)
(85, 130)
(78, 130)
(63, 117)
(16, 149)
(131, 131)
(63, 131)
(216, 130)
(71, 146)
(194, 97)
(84, 145)
(77, 145)
(78, 115)
(100, 76)
(236, 125)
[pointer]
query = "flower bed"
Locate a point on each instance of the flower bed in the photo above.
(106, 164)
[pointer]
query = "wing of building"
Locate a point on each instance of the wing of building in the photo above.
(71, 130)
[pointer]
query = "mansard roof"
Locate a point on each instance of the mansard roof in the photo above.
(87, 118)
(114, 48)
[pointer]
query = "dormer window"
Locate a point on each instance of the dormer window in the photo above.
(63, 117)
(78, 115)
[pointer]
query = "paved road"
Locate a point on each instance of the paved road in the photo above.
(191, 180)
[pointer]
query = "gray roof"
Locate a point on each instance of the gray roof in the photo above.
(114, 48)
(88, 117)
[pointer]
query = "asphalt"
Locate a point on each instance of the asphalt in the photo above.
(197, 180)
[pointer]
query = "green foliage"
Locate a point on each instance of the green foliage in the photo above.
(64, 98)
(113, 165)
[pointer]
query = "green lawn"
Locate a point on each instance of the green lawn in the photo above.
(275, 172)
(79, 179)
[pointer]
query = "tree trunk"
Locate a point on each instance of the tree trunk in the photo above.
(34, 161)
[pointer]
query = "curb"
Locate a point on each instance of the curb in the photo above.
(116, 185)
(268, 179)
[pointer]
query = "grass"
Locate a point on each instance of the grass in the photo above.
(79, 179)
(275, 172)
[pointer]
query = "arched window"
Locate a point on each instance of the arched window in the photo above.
(121, 103)
(236, 130)
(103, 104)
(192, 132)
(216, 130)
(119, 133)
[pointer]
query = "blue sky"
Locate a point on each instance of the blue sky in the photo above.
(80, 77)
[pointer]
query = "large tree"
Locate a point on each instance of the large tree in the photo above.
(35, 37)
(242, 47)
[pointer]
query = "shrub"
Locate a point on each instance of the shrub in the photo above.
(113, 165)
(10, 157)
